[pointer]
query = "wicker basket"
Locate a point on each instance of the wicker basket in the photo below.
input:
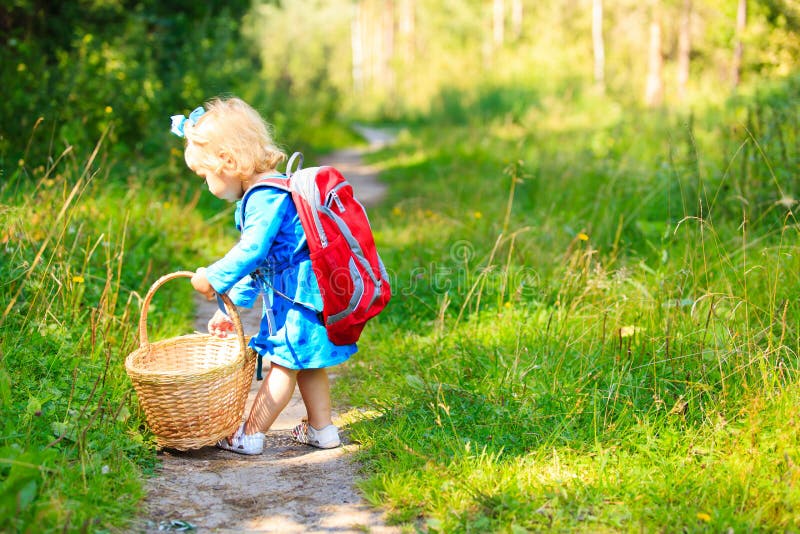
(192, 388)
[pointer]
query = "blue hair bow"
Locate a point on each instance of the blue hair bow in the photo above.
(179, 121)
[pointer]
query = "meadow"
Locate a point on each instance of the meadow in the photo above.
(596, 323)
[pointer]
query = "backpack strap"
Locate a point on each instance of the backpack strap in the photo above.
(279, 181)
(283, 183)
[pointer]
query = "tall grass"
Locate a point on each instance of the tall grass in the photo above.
(611, 340)
(80, 242)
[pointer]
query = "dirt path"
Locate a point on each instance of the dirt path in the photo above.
(290, 488)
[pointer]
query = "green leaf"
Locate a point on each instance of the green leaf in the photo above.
(5, 388)
(415, 382)
(63, 429)
(124, 414)
(27, 494)
(34, 407)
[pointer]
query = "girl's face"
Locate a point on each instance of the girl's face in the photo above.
(222, 184)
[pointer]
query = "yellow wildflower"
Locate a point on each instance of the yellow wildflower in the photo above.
(628, 331)
(109, 109)
(478, 214)
(583, 237)
(702, 516)
(78, 279)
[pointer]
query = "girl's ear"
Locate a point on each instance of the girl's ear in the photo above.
(227, 160)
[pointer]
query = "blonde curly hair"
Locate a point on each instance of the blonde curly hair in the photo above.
(231, 131)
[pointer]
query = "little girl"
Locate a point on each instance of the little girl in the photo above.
(229, 145)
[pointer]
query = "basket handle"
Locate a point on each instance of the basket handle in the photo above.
(229, 308)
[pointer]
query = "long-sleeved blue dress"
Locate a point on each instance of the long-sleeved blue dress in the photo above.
(272, 254)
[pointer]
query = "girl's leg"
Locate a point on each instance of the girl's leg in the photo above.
(271, 399)
(316, 392)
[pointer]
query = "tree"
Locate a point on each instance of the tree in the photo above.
(372, 39)
(684, 48)
(498, 22)
(405, 27)
(598, 45)
(356, 45)
(77, 68)
(516, 18)
(738, 50)
(387, 45)
(654, 88)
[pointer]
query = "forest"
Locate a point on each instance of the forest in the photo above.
(590, 230)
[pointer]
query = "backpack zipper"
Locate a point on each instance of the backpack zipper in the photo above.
(333, 197)
(338, 201)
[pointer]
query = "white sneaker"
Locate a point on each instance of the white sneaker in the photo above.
(242, 443)
(325, 438)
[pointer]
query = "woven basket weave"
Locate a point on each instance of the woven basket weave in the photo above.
(192, 388)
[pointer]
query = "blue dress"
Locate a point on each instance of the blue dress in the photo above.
(272, 254)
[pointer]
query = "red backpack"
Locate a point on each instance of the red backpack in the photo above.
(350, 274)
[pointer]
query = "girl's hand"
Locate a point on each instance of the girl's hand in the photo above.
(220, 324)
(201, 285)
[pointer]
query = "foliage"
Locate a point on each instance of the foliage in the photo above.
(305, 80)
(78, 67)
(445, 49)
(608, 341)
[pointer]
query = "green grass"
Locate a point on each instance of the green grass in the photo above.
(607, 340)
(81, 245)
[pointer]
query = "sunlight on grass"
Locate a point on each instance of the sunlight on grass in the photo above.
(617, 352)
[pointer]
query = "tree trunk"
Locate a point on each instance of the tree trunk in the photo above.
(654, 89)
(738, 51)
(387, 45)
(598, 46)
(498, 22)
(356, 45)
(684, 48)
(405, 28)
(373, 43)
(516, 18)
